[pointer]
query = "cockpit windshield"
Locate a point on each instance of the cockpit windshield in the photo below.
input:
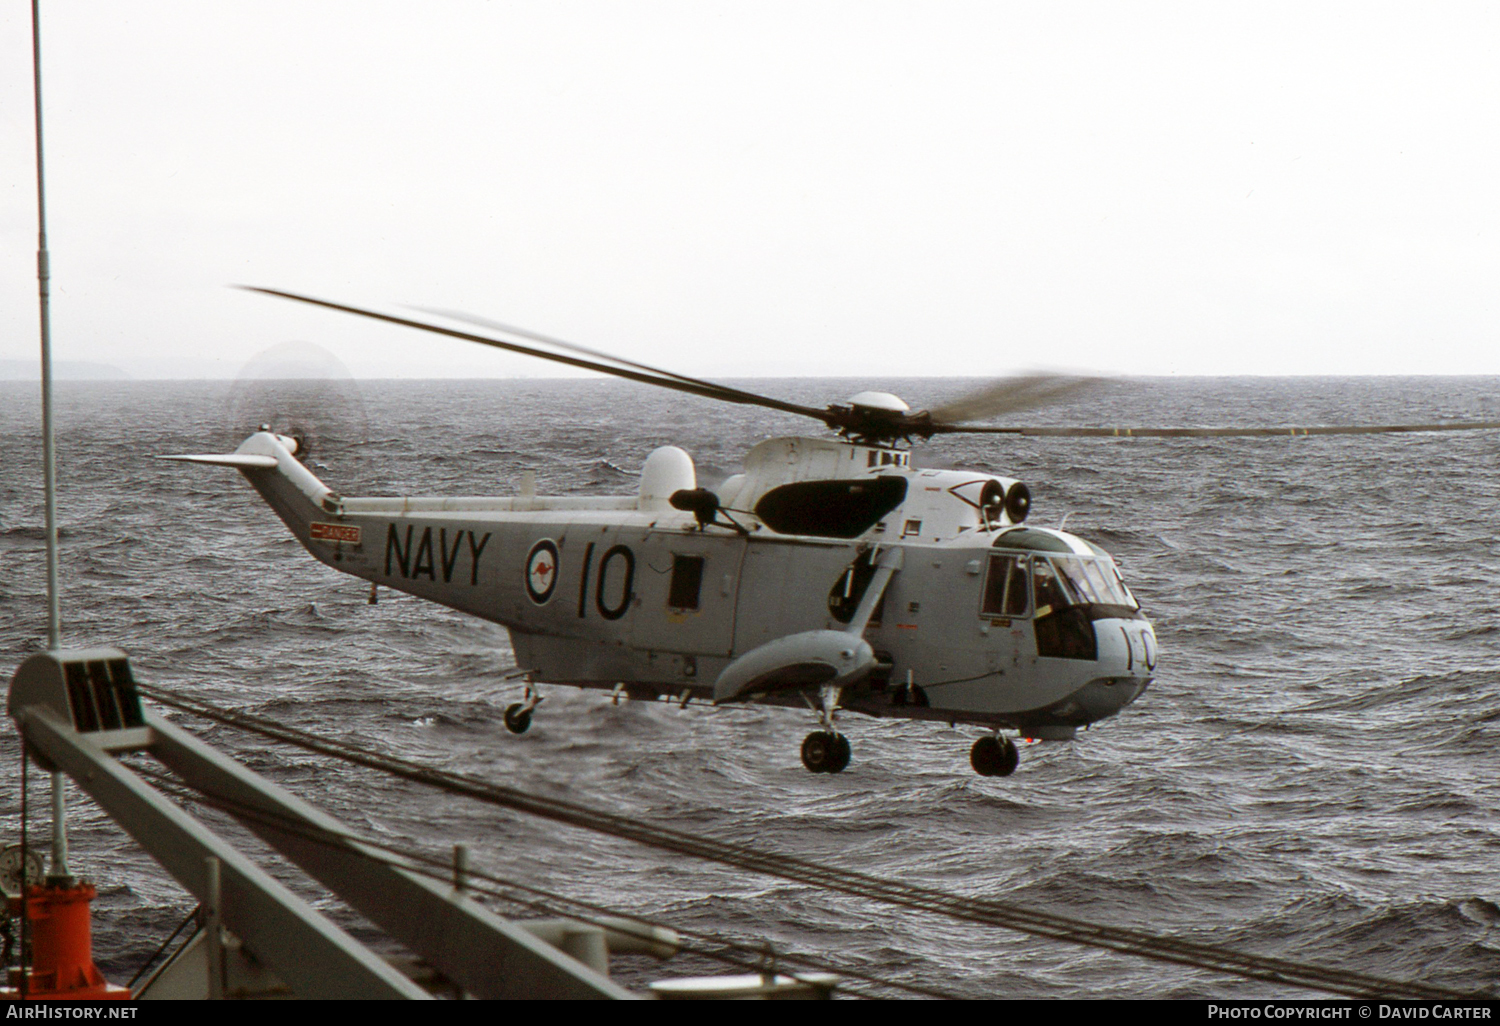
(1057, 581)
(1086, 579)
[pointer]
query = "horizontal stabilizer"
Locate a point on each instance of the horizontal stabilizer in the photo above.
(227, 459)
(265, 451)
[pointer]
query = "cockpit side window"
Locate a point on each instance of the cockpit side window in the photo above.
(1017, 595)
(1050, 592)
(1005, 591)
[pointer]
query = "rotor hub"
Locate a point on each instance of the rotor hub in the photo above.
(874, 418)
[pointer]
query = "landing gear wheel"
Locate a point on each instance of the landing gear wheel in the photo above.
(825, 752)
(994, 757)
(840, 754)
(517, 718)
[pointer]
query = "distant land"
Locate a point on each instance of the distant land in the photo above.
(62, 370)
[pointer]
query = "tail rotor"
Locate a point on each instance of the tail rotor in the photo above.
(302, 391)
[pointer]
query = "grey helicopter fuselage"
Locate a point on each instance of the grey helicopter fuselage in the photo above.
(830, 573)
(980, 620)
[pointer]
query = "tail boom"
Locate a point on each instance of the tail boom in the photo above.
(269, 463)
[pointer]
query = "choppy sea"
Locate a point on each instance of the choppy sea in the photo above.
(1313, 774)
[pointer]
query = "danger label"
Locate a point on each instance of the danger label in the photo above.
(347, 534)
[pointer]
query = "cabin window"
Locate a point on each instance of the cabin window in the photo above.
(687, 582)
(1005, 591)
(830, 509)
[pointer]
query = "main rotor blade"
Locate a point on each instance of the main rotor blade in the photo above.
(1213, 432)
(535, 336)
(1013, 395)
(676, 383)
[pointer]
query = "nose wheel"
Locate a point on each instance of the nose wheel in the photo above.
(824, 751)
(994, 756)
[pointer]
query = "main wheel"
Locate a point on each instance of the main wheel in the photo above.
(517, 718)
(1010, 758)
(840, 754)
(820, 752)
(994, 757)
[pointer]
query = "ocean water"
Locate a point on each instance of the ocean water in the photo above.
(1312, 775)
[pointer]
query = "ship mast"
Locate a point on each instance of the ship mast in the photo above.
(49, 458)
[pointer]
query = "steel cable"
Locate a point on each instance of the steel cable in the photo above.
(749, 956)
(985, 911)
(151, 960)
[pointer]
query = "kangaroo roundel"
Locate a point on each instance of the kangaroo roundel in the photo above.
(541, 571)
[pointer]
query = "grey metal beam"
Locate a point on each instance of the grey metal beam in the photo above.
(487, 956)
(890, 562)
(313, 956)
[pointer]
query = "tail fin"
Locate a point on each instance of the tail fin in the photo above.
(268, 462)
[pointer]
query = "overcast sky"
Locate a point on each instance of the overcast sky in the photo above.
(759, 188)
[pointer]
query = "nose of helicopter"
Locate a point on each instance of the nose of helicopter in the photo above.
(1125, 664)
(1126, 647)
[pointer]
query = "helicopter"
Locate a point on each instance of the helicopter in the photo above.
(831, 573)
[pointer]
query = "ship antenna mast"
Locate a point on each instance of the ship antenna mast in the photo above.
(49, 458)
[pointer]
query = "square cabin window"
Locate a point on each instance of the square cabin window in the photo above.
(1005, 588)
(687, 582)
